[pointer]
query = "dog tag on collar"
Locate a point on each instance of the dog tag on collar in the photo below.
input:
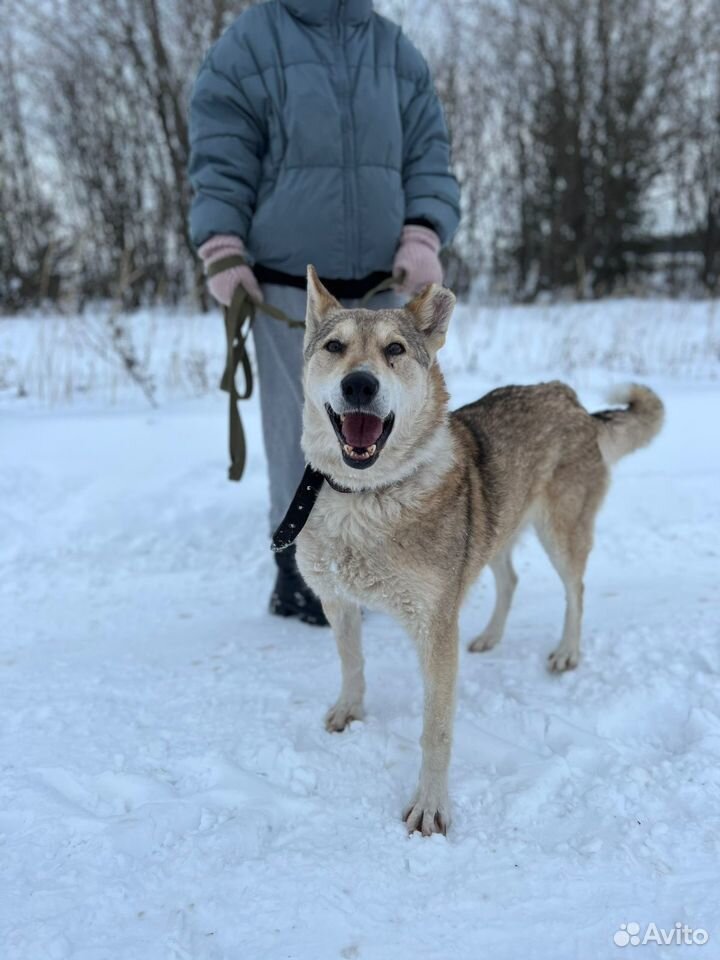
(299, 510)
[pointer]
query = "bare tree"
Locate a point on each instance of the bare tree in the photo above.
(458, 55)
(591, 86)
(115, 77)
(697, 173)
(30, 250)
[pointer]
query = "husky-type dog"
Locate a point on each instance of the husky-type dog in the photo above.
(419, 500)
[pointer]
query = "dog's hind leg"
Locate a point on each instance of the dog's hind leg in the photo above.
(567, 540)
(346, 621)
(505, 582)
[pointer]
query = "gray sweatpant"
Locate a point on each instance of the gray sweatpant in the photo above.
(278, 349)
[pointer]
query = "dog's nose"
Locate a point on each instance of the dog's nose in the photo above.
(359, 388)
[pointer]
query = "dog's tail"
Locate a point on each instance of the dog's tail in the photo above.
(627, 428)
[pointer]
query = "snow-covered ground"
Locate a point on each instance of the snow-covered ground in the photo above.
(168, 789)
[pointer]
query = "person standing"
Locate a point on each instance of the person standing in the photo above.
(316, 137)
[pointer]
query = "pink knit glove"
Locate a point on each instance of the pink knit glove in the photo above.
(417, 257)
(223, 285)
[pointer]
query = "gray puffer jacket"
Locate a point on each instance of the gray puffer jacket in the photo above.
(316, 133)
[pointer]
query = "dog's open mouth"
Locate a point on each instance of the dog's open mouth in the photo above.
(362, 436)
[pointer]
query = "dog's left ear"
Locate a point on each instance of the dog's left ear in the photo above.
(431, 310)
(319, 300)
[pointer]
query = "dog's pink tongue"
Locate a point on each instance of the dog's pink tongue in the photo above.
(361, 429)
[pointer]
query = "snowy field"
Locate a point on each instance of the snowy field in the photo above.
(168, 789)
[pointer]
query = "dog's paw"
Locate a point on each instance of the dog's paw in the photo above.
(486, 641)
(341, 714)
(562, 659)
(427, 813)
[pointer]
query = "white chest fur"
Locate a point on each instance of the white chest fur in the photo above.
(349, 547)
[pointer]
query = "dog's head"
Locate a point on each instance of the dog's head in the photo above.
(374, 396)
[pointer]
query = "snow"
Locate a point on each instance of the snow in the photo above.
(167, 786)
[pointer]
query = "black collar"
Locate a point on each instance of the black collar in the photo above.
(301, 507)
(303, 502)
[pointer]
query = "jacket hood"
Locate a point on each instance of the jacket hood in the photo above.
(323, 11)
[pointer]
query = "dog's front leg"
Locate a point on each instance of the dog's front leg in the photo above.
(344, 618)
(429, 810)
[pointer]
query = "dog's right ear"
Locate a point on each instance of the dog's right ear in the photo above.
(431, 310)
(319, 301)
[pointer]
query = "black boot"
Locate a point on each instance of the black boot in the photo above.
(292, 597)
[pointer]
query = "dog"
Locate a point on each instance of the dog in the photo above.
(419, 500)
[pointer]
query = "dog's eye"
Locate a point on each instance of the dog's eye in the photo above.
(334, 346)
(394, 349)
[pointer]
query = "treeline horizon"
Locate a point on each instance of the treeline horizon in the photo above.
(585, 136)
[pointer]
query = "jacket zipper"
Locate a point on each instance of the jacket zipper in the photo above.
(351, 225)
